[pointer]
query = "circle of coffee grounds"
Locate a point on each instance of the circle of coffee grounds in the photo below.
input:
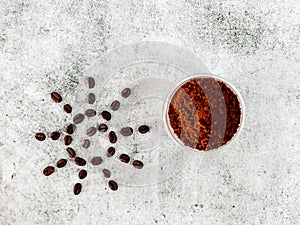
(113, 185)
(48, 170)
(80, 161)
(68, 140)
(91, 98)
(106, 115)
(61, 163)
(96, 160)
(204, 113)
(115, 105)
(91, 131)
(91, 82)
(86, 143)
(126, 131)
(77, 189)
(138, 164)
(56, 97)
(78, 118)
(144, 129)
(82, 174)
(55, 135)
(125, 92)
(90, 113)
(112, 137)
(124, 158)
(106, 173)
(68, 108)
(40, 136)
(102, 127)
(71, 128)
(71, 152)
(110, 151)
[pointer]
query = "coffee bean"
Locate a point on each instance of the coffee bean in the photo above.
(55, 135)
(96, 160)
(68, 140)
(102, 127)
(40, 136)
(138, 164)
(112, 137)
(91, 98)
(115, 105)
(110, 151)
(82, 174)
(113, 185)
(91, 82)
(126, 131)
(77, 188)
(67, 108)
(126, 92)
(86, 143)
(90, 113)
(91, 131)
(56, 97)
(106, 115)
(124, 158)
(144, 129)
(80, 161)
(78, 118)
(48, 170)
(106, 173)
(61, 163)
(71, 128)
(71, 152)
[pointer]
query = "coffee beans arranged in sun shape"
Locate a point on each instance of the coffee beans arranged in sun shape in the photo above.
(91, 82)
(144, 129)
(71, 152)
(80, 161)
(71, 128)
(96, 160)
(91, 131)
(86, 143)
(77, 189)
(126, 131)
(102, 127)
(68, 108)
(90, 113)
(56, 97)
(115, 105)
(61, 163)
(40, 136)
(112, 137)
(126, 92)
(55, 135)
(91, 98)
(82, 174)
(110, 151)
(106, 115)
(106, 173)
(78, 118)
(68, 140)
(48, 170)
(124, 158)
(113, 185)
(138, 164)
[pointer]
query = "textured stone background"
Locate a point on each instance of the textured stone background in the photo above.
(47, 45)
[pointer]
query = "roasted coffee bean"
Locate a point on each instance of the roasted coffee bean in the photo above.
(106, 115)
(144, 129)
(82, 174)
(126, 92)
(113, 185)
(126, 131)
(71, 128)
(68, 140)
(78, 118)
(96, 160)
(67, 108)
(40, 136)
(48, 170)
(90, 113)
(56, 97)
(112, 137)
(115, 105)
(55, 135)
(138, 164)
(77, 188)
(110, 151)
(102, 127)
(91, 98)
(86, 143)
(91, 131)
(106, 173)
(71, 152)
(124, 158)
(91, 82)
(80, 161)
(61, 163)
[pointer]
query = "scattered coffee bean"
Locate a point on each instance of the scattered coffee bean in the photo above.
(96, 160)
(115, 105)
(86, 143)
(80, 161)
(91, 82)
(91, 131)
(82, 174)
(77, 188)
(55, 135)
(71, 152)
(40, 136)
(124, 158)
(78, 118)
(61, 163)
(56, 97)
(48, 170)
(67, 108)
(110, 151)
(126, 92)
(71, 128)
(113, 185)
(144, 129)
(102, 127)
(106, 173)
(106, 115)
(90, 113)
(138, 164)
(112, 137)
(68, 140)
(126, 131)
(91, 98)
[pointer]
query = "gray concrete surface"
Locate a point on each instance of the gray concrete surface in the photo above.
(47, 45)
